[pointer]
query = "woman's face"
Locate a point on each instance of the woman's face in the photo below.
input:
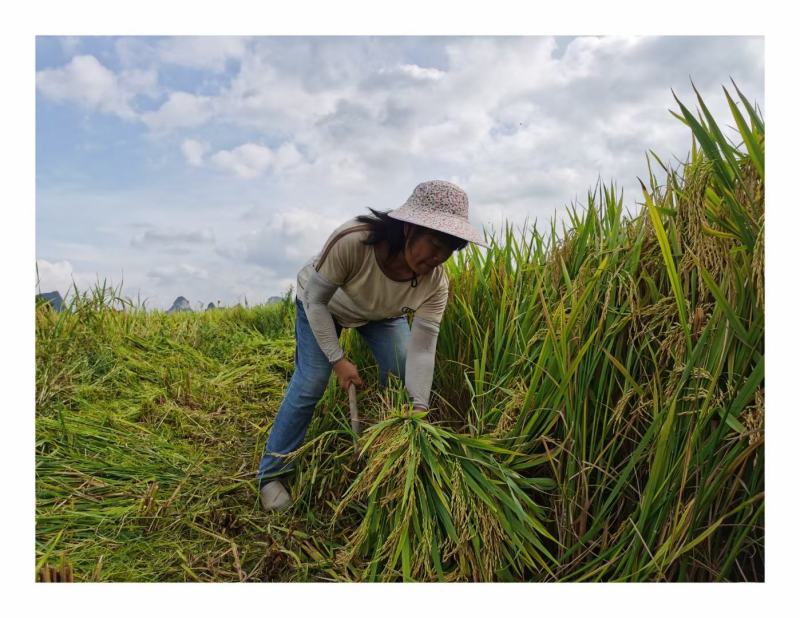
(424, 251)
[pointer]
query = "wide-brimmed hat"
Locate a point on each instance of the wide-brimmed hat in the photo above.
(442, 206)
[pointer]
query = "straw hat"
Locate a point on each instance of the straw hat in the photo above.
(442, 206)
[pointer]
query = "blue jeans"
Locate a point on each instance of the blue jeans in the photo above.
(388, 340)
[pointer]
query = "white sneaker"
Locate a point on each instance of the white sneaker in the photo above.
(274, 497)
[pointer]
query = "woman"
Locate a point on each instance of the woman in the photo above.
(371, 272)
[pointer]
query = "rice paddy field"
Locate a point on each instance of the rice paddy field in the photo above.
(597, 412)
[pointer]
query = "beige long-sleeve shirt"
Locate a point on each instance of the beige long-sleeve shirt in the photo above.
(346, 281)
(366, 293)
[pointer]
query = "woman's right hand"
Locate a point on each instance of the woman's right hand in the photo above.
(347, 373)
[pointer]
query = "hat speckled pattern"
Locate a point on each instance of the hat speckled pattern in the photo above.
(442, 206)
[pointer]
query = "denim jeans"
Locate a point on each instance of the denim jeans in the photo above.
(388, 340)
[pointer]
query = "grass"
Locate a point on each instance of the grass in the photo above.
(597, 412)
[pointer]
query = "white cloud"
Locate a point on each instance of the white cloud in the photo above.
(54, 276)
(586, 56)
(177, 273)
(286, 157)
(139, 82)
(452, 139)
(288, 84)
(421, 73)
(61, 276)
(134, 51)
(253, 160)
(167, 237)
(69, 44)
(344, 170)
(182, 109)
(400, 76)
(85, 81)
(194, 151)
(202, 52)
(246, 161)
(288, 238)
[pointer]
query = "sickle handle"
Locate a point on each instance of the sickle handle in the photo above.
(354, 422)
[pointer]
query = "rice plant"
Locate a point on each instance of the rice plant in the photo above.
(439, 506)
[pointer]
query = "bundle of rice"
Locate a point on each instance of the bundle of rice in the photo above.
(437, 505)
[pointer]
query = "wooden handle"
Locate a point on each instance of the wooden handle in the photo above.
(354, 422)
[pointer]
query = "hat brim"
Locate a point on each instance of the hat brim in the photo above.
(448, 224)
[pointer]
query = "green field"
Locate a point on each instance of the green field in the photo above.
(597, 412)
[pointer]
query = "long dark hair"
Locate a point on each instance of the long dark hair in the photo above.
(383, 227)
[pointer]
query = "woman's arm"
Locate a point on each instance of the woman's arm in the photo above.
(319, 292)
(420, 359)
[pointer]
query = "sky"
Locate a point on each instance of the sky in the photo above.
(213, 167)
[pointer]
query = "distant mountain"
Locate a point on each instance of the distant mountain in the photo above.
(53, 299)
(211, 306)
(274, 299)
(180, 304)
